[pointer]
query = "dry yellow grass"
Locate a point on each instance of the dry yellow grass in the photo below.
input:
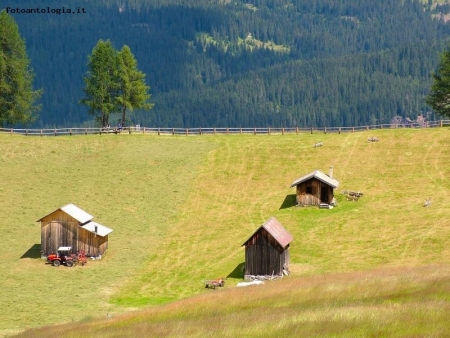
(386, 302)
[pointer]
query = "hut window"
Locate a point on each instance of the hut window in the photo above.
(309, 190)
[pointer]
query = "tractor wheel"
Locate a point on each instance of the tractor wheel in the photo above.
(56, 263)
(69, 264)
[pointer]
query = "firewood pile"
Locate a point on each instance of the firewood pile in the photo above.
(352, 195)
(212, 284)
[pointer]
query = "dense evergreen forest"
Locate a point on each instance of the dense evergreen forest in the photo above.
(225, 63)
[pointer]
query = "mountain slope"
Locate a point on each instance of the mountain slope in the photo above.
(191, 49)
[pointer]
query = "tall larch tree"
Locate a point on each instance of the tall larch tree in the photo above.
(101, 82)
(133, 92)
(17, 97)
(439, 97)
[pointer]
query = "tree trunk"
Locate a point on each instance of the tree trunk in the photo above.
(124, 110)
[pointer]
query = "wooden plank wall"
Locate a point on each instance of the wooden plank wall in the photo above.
(313, 199)
(92, 244)
(264, 256)
(58, 229)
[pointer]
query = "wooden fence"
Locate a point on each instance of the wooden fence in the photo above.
(214, 131)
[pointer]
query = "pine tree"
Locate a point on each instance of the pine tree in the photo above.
(439, 97)
(102, 82)
(17, 97)
(133, 92)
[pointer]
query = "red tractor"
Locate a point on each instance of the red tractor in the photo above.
(64, 256)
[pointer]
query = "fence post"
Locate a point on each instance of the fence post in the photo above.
(367, 127)
(11, 131)
(282, 131)
(41, 132)
(325, 130)
(200, 130)
(339, 130)
(227, 130)
(268, 131)
(159, 132)
(55, 131)
(85, 131)
(296, 130)
(241, 131)
(187, 131)
(26, 132)
(173, 131)
(311, 130)
(353, 129)
(70, 131)
(214, 131)
(143, 130)
(129, 130)
(255, 132)
(441, 123)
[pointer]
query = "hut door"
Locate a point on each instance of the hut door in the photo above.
(324, 194)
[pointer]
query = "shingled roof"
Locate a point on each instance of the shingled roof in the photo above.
(276, 230)
(318, 175)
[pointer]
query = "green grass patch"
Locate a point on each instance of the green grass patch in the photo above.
(181, 207)
(134, 185)
(248, 42)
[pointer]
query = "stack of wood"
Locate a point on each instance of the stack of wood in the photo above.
(212, 284)
(372, 139)
(352, 195)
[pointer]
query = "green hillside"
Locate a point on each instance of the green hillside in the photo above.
(214, 63)
(181, 207)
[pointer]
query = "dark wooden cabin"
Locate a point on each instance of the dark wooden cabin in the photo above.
(267, 250)
(71, 226)
(315, 188)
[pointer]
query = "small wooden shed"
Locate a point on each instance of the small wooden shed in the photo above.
(267, 250)
(315, 188)
(72, 226)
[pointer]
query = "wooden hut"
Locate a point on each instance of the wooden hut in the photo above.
(316, 188)
(71, 226)
(267, 250)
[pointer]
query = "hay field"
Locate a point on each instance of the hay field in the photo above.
(181, 207)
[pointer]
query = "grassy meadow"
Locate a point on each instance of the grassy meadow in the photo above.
(181, 207)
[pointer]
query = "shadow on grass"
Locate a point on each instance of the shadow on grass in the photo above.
(33, 252)
(289, 201)
(238, 272)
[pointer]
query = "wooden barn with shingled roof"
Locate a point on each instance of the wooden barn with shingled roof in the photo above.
(267, 250)
(73, 227)
(315, 188)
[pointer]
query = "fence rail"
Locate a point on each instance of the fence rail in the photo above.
(214, 131)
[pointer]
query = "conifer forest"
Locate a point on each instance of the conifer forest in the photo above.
(242, 63)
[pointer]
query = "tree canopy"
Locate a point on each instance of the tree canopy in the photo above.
(133, 92)
(101, 82)
(439, 97)
(17, 97)
(113, 83)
